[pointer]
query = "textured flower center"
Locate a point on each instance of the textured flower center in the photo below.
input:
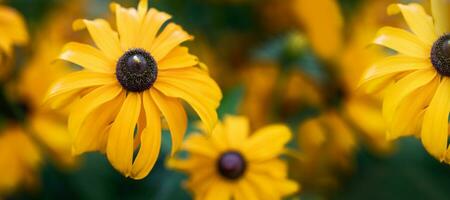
(440, 55)
(231, 165)
(136, 70)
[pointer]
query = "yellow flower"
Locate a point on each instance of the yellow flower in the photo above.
(12, 32)
(231, 164)
(416, 80)
(131, 80)
(19, 158)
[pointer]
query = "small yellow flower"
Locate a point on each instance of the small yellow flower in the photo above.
(231, 164)
(19, 159)
(416, 80)
(134, 77)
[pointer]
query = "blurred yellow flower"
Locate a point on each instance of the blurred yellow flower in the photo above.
(19, 159)
(12, 32)
(134, 77)
(416, 80)
(231, 164)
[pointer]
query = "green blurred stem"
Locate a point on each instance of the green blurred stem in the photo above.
(440, 11)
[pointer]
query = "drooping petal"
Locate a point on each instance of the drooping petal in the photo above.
(402, 88)
(435, 122)
(150, 140)
(150, 26)
(196, 88)
(104, 37)
(175, 115)
(119, 149)
(77, 81)
(273, 138)
(88, 57)
(172, 36)
(417, 19)
(403, 42)
(179, 57)
(237, 130)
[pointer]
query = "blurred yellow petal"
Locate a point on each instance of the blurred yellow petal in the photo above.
(198, 144)
(88, 57)
(417, 19)
(247, 191)
(219, 190)
(272, 137)
(403, 42)
(435, 123)
(120, 141)
(238, 129)
(441, 15)
(175, 115)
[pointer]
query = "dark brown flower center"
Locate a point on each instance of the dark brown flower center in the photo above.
(440, 55)
(231, 165)
(136, 70)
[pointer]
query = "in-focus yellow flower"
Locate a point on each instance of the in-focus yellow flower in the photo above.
(134, 77)
(231, 164)
(416, 80)
(19, 159)
(12, 32)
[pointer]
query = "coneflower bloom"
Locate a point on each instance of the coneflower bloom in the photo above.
(415, 81)
(134, 78)
(232, 164)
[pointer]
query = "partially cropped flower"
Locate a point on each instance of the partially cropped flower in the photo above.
(128, 83)
(232, 164)
(415, 81)
(12, 32)
(19, 159)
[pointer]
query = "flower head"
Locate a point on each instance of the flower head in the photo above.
(415, 81)
(133, 78)
(231, 164)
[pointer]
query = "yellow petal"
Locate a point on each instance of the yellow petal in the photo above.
(403, 42)
(246, 191)
(119, 149)
(172, 36)
(274, 168)
(267, 143)
(263, 185)
(435, 122)
(179, 57)
(417, 19)
(219, 137)
(127, 25)
(393, 65)
(175, 115)
(204, 99)
(93, 134)
(77, 81)
(104, 37)
(89, 103)
(404, 87)
(150, 140)
(237, 130)
(13, 25)
(199, 145)
(409, 114)
(287, 187)
(88, 57)
(150, 27)
(220, 190)
(142, 8)
(440, 11)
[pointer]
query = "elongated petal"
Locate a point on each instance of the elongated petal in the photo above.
(179, 57)
(435, 122)
(150, 26)
(418, 20)
(119, 149)
(88, 57)
(196, 88)
(237, 130)
(127, 25)
(220, 190)
(172, 36)
(264, 185)
(77, 81)
(104, 37)
(273, 138)
(441, 16)
(246, 191)
(142, 8)
(403, 42)
(89, 103)
(175, 115)
(394, 65)
(13, 25)
(403, 88)
(199, 145)
(274, 168)
(150, 140)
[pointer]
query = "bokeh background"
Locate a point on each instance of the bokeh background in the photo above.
(276, 61)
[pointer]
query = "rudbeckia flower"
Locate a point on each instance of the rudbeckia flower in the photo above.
(19, 159)
(232, 164)
(128, 83)
(415, 81)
